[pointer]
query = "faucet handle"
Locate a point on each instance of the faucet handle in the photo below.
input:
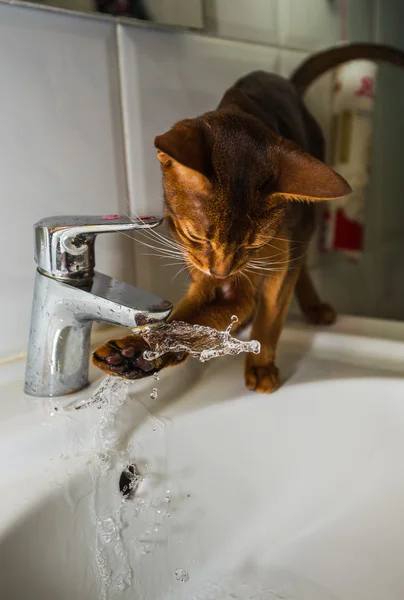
(64, 246)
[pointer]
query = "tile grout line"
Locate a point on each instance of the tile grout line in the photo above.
(123, 114)
(123, 111)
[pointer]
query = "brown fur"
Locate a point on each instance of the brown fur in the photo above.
(241, 183)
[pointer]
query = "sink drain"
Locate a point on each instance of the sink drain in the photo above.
(129, 480)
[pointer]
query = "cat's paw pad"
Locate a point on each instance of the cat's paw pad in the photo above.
(264, 379)
(124, 358)
(321, 314)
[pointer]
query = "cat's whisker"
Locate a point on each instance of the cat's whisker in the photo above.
(276, 262)
(154, 236)
(278, 239)
(164, 239)
(258, 270)
(267, 267)
(172, 264)
(158, 248)
(157, 240)
(178, 272)
(248, 279)
(162, 255)
(282, 252)
(178, 261)
(137, 241)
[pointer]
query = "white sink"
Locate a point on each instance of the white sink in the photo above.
(298, 495)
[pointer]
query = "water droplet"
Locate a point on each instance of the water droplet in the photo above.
(181, 575)
(156, 377)
(154, 393)
(234, 320)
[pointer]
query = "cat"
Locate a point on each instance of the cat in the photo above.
(242, 184)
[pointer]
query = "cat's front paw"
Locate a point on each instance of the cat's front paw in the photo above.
(261, 378)
(124, 358)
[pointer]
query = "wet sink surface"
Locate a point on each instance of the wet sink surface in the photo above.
(298, 495)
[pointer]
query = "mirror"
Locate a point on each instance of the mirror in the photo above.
(179, 13)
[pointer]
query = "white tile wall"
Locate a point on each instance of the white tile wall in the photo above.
(255, 20)
(362, 17)
(310, 24)
(176, 12)
(61, 140)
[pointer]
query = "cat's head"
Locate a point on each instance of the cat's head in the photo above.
(229, 183)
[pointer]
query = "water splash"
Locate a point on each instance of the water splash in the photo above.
(198, 341)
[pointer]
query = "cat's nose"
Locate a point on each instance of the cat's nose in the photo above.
(218, 275)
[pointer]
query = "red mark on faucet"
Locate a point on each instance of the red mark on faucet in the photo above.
(111, 217)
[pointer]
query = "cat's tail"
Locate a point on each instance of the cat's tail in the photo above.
(321, 62)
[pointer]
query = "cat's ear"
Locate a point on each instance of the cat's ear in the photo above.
(185, 143)
(303, 177)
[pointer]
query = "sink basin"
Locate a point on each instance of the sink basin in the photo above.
(298, 495)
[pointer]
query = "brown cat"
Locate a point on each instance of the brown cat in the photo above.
(241, 185)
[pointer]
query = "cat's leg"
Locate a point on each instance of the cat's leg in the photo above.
(261, 373)
(315, 311)
(205, 304)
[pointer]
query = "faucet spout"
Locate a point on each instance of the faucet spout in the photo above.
(62, 316)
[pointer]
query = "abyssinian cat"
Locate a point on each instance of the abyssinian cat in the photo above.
(241, 187)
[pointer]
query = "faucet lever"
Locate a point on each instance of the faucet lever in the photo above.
(64, 246)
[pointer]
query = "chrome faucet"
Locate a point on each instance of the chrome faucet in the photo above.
(69, 295)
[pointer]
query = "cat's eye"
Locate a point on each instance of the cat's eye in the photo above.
(194, 238)
(197, 240)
